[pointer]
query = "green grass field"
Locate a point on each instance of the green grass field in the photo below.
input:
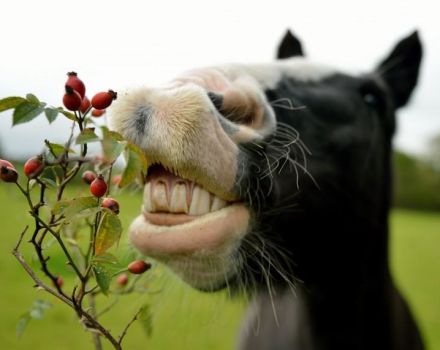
(183, 318)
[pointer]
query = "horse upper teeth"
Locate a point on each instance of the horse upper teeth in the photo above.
(159, 198)
(217, 204)
(147, 198)
(178, 203)
(199, 202)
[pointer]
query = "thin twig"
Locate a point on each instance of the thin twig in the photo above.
(109, 179)
(124, 332)
(107, 308)
(68, 168)
(92, 322)
(61, 243)
(32, 274)
(96, 337)
(26, 194)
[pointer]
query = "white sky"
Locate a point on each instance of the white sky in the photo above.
(121, 44)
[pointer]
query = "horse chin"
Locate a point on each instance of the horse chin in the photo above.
(201, 250)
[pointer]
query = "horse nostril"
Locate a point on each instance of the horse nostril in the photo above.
(216, 99)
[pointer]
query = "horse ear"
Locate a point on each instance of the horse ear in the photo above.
(400, 69)
(290, 46)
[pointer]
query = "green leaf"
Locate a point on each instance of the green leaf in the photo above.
(111, 134)
(57, 149)
(42, 304)
(72, 242)
(111, 149)
(25, 112)
(23, 321)
(103, 277)
(109, 232)
(145, 318)
(51, 114)
(107, 259)
(136, 163)
(72, 207)
(36, 312)
(112, 144)
(128, 255)
(11, 102)
(73, 229)
(86, 136)
(48, 177)
(33, 99)
(67, 114)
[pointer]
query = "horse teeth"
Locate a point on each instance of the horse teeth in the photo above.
(178, 203)
(217, 204)
(159, 197)
(147, 198)
(200, 202)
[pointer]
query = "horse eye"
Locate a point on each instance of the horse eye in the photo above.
(371, 94)
(370, 99)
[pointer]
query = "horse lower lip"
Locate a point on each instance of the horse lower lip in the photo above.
(167, 219)
(205, 233)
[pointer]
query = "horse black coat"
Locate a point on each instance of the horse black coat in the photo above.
(336, 235)
(276, 179)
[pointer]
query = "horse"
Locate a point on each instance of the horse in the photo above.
(275, 180)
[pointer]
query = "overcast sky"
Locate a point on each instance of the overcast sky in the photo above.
(121, 44)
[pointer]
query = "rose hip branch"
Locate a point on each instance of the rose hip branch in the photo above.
(55, 215)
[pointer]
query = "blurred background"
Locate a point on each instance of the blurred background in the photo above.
(126, 44)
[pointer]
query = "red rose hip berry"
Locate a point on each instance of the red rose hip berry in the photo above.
(59, 281)
(122, 279)
(6, 164)
(138, 267)
(72, 99)
(111, 204)
(7, 171)
(98, 187)
(8, 174)
(33, 167)
(76, 83)
(98, 113)
(85, 105)
(103, 99)
(88, 176)
(116, 180)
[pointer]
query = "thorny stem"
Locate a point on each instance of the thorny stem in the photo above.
(25, 193)
(90, 252)
(109, 179)
(32, 274)
(61, 243)
(37, 246)
(44, 260)
(96, 227)
(90, 245)
(75, 298)
(96, 336)
(88, 319)
(91, 321)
